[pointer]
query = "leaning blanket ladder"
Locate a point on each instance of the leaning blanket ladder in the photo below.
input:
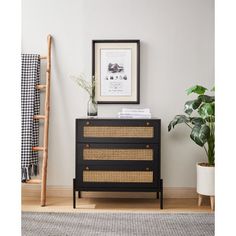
(44, 117)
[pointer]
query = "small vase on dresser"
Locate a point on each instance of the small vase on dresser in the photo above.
(92, 108)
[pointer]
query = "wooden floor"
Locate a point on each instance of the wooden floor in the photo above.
(61, 204)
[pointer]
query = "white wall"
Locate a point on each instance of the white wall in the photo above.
(177, 51)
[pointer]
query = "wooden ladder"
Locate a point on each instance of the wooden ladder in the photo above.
(45, 118)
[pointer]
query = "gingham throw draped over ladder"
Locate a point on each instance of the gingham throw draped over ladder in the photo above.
(30, 104)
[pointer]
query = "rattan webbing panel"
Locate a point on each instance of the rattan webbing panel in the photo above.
(118, 176)
(118, 132)
(118, 154)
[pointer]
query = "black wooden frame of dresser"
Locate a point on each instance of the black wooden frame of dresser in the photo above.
(156, 123)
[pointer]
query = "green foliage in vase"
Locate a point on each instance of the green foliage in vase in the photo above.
(200, 118)
(83, 83)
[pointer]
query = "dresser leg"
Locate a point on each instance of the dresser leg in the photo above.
(161, 194)
(74, 198)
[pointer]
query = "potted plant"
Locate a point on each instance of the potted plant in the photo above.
(200, 118)
(90, 89)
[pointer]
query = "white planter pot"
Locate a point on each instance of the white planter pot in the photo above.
(206, 180)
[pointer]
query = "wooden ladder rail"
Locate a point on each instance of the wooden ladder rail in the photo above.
(45, 117)
(46, 124)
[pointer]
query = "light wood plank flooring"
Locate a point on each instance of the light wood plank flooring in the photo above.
(64, 204)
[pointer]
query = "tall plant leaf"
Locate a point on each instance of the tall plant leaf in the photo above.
(204, 133)
(197, 121)
(190, 106)
(196, 89)
(200, 134)
(206, 110)
(206, 98)
(195, 135)
(178, 119)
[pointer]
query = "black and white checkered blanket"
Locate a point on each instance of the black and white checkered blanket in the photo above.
(30, 103)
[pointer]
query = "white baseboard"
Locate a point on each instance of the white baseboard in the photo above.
(33, 191)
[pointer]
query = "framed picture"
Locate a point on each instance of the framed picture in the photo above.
(116, 70)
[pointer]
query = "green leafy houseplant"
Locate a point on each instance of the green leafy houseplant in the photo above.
(200, 118)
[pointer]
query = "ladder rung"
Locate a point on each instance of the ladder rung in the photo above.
(39, 117)
(34, 181)
(43, 57)
(41, 86)
(38, 148)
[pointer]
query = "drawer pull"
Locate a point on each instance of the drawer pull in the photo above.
(87, 123)
(147, 146)
(147, 123)
(87, 146)
(147, 168)
(86, 168)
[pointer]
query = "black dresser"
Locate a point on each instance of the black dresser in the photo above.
(118, 155)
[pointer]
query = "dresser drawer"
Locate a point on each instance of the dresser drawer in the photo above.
(118, 131)
(110, 176)
(117, 176)
(109, 153)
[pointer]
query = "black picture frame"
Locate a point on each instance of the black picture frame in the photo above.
(132, 49)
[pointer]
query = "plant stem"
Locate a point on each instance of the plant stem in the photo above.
(205, 150)
(211, 143)
(188, 125)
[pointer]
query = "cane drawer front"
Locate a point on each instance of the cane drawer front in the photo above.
(110, 176)
(118, 131)
(99, 153)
